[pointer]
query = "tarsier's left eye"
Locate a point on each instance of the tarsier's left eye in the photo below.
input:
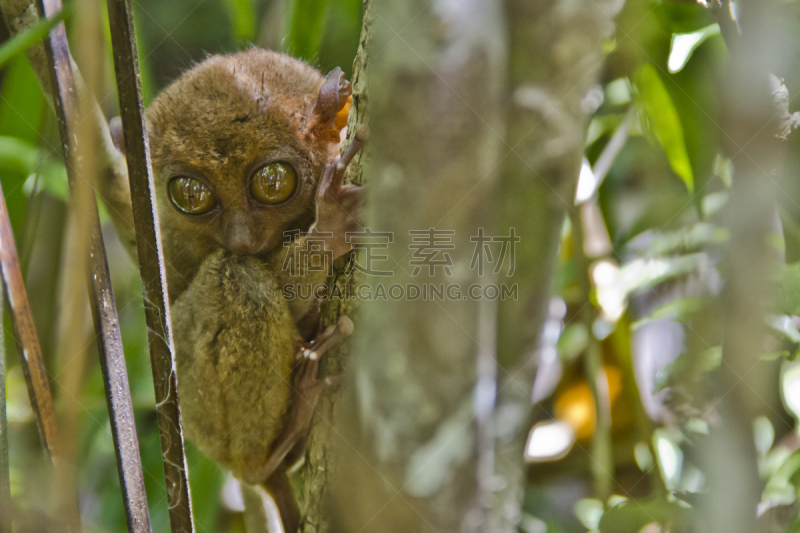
(273, 183)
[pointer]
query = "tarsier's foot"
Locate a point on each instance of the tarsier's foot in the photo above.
(338, 204)
(307, 388)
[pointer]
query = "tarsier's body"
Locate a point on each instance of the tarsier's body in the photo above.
(244, 150)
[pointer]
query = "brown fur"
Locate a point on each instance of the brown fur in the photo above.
(235, 341)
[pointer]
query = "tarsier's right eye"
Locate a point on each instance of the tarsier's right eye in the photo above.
(191, 196)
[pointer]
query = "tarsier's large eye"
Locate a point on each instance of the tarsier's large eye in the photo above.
(273, 183)
(191, 196)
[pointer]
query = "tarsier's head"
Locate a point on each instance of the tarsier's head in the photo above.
(238, 144)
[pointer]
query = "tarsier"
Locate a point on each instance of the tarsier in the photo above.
(245, 157)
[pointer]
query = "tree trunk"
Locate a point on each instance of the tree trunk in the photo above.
(317, 472)
(410, 456)
(420, 436)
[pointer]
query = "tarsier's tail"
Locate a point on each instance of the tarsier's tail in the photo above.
(280, 490)
(271, 506)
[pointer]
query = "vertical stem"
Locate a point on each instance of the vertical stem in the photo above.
(602, 465)
(75, 109)
(151, 264)
(32, 365)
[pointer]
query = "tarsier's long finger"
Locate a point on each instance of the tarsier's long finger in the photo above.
(327, 179)
(329, 337)
(359, 139)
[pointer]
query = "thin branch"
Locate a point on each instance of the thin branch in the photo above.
(151, 262)
(77, 113)
(31, 355)
(728, 25)
(602, 465)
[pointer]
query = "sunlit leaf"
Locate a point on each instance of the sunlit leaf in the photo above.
(782, 485)
(669, 458)
(618, 92)
(684, 44)
(665, 122)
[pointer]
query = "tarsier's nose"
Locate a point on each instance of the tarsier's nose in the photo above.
(239, 238)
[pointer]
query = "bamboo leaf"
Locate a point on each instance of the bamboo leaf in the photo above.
(665, 122)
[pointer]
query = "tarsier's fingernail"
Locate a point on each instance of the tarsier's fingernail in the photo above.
(362, 133)
(313, 356)
(340, 166)
(307, 353)
(345, 326)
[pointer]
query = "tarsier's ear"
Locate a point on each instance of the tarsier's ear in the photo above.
(116, 134)
(329, 114)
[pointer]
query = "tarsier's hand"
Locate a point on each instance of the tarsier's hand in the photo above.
(338, 204)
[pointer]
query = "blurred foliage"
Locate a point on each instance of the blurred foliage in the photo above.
(652, 237)
(655, 263)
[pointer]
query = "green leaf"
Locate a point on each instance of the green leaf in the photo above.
(642, 274)
(632, 515)
(687, 367)
(682, 240)
(602, 125)
(305, 23)
(573, 341)
(29, 37)
(22, 104)
(680, 309)
(665, 122)
(17, 155)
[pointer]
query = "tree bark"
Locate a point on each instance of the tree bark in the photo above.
(410, 456)
(425, 443)
(317, 473)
